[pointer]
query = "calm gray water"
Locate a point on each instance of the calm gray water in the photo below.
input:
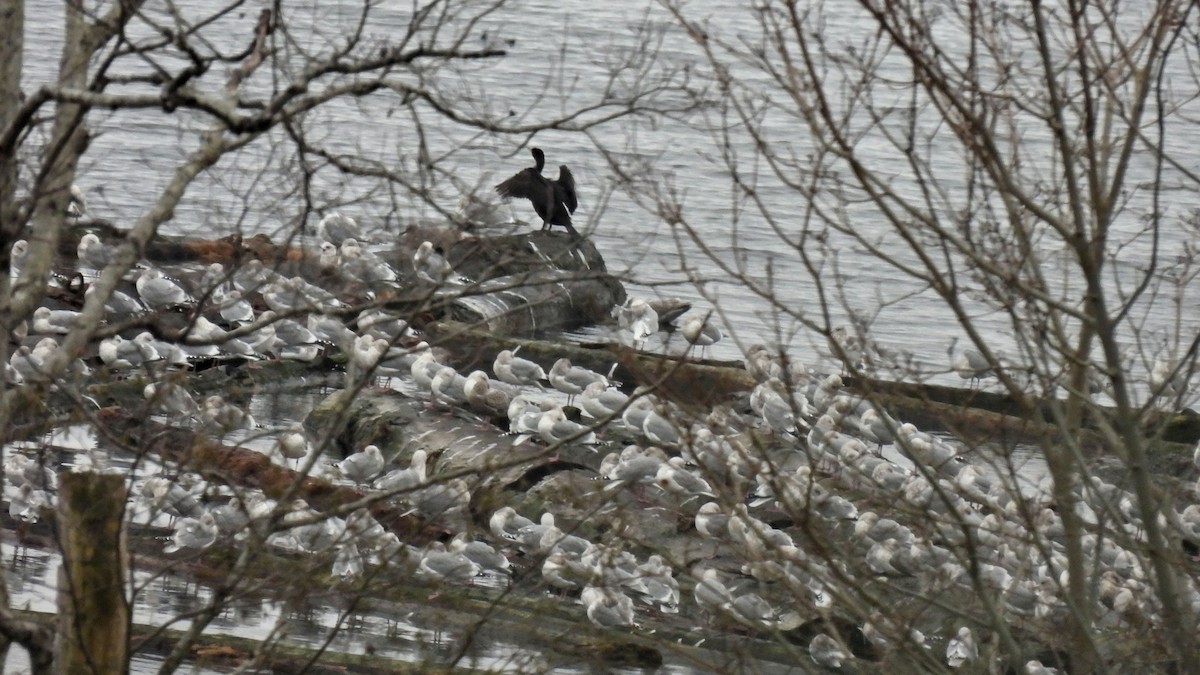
(560, 58)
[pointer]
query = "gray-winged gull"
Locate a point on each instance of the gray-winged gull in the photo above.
(554, 427)
(514, 370)
(571, 380)
(193, 533)
(363, 465)
(335, 228)
(701, 331)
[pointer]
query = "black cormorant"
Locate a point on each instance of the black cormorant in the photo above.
(553, 200)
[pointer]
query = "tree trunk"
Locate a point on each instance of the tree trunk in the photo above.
(94, 614)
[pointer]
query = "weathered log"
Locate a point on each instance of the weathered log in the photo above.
(969, 413)
(459, 445)
(521, 284)
(94, 614)
(249, 469)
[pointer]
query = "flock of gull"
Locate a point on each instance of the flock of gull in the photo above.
(792, 490)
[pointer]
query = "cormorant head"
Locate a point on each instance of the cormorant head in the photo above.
(539, 158)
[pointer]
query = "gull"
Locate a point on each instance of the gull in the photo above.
(365, 529)
(169, 353)
(251, 276)
(530, 537)
(1167, 378)
(674, 477)
(27, 365)
(638, 318)
(524, 416)
(380, 324)
(362, 266)
(364, 357)
(424, 369)
(658, 429)
(754, 612)
(443, 500)
(635, 465)
(292, 443)
(16, 260)
(399, 360)
(230, 517)
(448, 386)
(91, 253)
(53, 321)
(483, 396)
(789, 492)
(763, 364)
(825, 651)
(933, 452)
(232, 306)
(374, 356)
(201, 338)
(759, 540)
(335, 228)
(882, 529)
(213, 278)
(825, 393)
(224, 416)
(347, 561)
(969, 363)
(571, 380)
(480, 212)
(193, 533)
(514, 370)
(607, 608)
(961, 648)
(332, 330)
(700, 331)
(262, 340)
(711, 593)
(289, 294)
(171, 398)
(711, 521)
(601, 402)
(506, 523)
(47, 347)
(117, 352)
(161, 292)
(328, 258)
(872, 426)
(554, 427)
(20, 470)
(118, 302)
(441, 565)
(433, 269)
(848, 348)
(480, 553)
(77, 204)
(362, 466)
(1035, 667)
(656, 581)
(567, 571)
(27, 505)
(770, 401)
(163, 495)
(401, 480)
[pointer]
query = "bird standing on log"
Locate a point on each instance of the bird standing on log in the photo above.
(554, 201)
